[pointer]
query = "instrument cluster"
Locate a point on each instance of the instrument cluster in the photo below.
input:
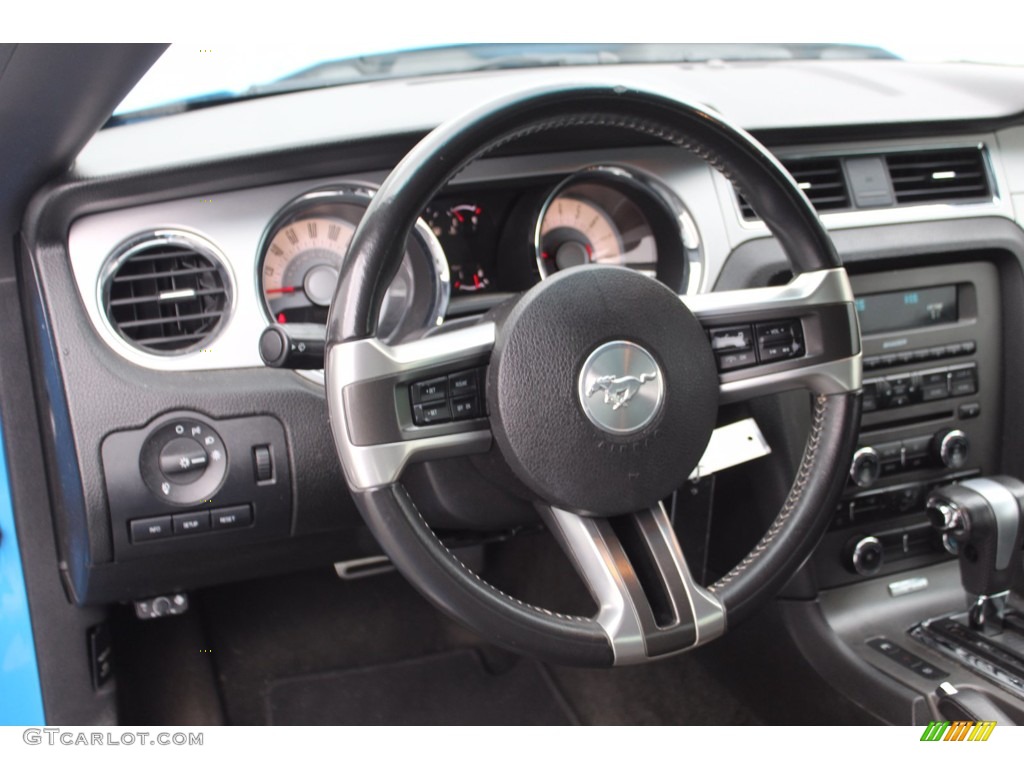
(472, 245)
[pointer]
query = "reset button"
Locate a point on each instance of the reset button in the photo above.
(231, 517)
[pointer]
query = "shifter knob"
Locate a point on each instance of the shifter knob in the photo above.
(984, 517)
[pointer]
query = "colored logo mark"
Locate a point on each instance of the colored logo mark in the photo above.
(958, 730)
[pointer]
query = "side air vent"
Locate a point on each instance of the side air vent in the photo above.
(820, 178)
(938, 175)
(166, 293)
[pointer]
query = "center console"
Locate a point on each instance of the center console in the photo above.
(931, 416)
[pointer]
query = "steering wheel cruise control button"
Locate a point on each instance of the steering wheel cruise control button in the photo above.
(465, 407)
(430, 391)
(433, 413)
(462, 383)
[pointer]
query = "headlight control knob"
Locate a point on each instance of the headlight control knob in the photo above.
(183, 461)
(865, 468)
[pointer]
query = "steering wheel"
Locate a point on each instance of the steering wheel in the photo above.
(601, 391)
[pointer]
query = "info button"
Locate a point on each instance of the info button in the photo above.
(231, 517)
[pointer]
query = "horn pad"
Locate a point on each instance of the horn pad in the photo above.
(602, 390)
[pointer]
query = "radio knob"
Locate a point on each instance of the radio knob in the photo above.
(865, 468)
(952, 448)
(867, 555)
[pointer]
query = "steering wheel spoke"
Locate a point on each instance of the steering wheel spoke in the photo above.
(800, 335)
(415, 401)
(648, 603)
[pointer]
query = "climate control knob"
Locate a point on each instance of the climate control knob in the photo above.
(866, 556)
(952, 447)
(865, 468)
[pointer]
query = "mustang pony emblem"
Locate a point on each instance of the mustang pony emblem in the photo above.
(619, 390)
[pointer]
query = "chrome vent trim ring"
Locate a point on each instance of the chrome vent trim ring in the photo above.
(166, 292)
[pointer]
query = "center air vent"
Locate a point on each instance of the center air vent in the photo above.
(820, 178)
(938, 175)
(166, 293)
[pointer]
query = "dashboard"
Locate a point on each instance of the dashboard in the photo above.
(152, 283)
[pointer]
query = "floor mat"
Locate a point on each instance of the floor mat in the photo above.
(454, 688)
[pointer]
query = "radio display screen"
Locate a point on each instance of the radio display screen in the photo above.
(902, 310)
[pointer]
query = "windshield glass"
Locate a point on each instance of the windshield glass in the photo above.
(189, 77)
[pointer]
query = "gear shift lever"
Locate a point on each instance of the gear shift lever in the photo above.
(982, 520)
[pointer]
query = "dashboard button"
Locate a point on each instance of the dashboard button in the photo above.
(917, 446)
(769, 333)
(462, 382)
(191, 522)
(969, 410)
(901, 385)
(729, 339)
(262, 464)
(772, 352)
(728, 361)
(961, 374)
(961, 388)
(430, 391)
(465, 407)
(432, 413)
(969, 347)
(889, 451)
(151, 528)
(231, 517)
(934, 392)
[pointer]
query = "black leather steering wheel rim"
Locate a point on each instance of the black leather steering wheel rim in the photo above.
(374, 257)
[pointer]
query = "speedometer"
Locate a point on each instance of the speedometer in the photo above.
(617, 217)
(303, 250)
(575, 231)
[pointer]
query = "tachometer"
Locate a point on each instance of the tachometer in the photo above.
(613, 216)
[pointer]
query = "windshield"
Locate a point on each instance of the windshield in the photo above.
(187, 77)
